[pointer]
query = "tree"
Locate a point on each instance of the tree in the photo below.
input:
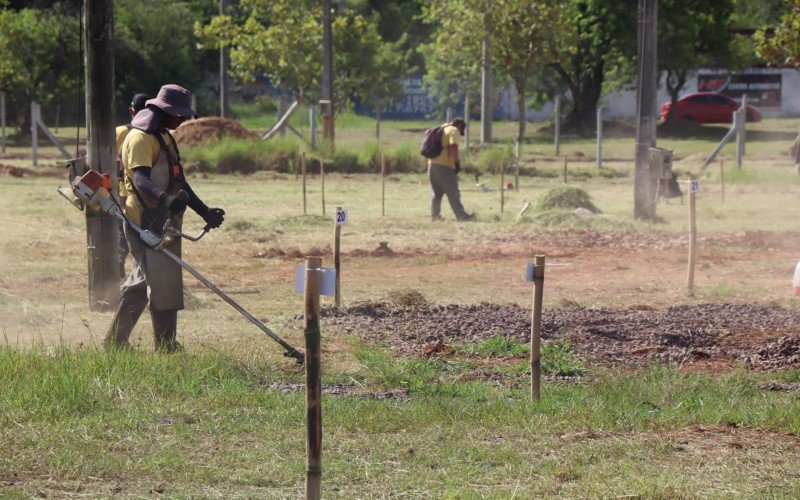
(692, 34)
(600, 37)
(523, 41)
(40, 54)
(389, 65)
(453, 57)
(150, 52)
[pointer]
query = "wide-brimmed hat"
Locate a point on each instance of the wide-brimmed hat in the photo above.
(173, 100)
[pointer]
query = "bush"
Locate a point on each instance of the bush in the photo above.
(566, 198)
(493, 158)
(245, 156)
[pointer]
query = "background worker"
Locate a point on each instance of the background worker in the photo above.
(137, 104)
(157, 191)
(443, 171)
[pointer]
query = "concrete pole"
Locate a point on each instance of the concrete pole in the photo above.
(312, 127)
(557, 123)
(466, 130)
(224, 79)
(3, 118)
(35, 133)
(327, 73)
(644, 181)
(599, 146)
(102, 229)
(487, 85)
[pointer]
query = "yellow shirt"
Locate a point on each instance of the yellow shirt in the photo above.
(139, 149)
(450, 136)
(121, 133)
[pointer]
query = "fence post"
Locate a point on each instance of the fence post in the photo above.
(557, 120)
(536, 326)
(565, 169)
(313, 379)
(599, 147)
(448, 116)
(3, 118)
(35, 132)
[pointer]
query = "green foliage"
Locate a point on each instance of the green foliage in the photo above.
(781, 47)
(283, 40)
(694, 34)
(500, 346)
(39, 56)
(566, 197)
(155, 44)
(493, 158)
(558, 359)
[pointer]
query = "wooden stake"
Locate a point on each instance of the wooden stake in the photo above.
(692, 240)
(536, 326)
(722, 178)
(383, 184)
(599, 143)
(565, 169)
(322, 182)
(313, 378)
(303, 168)
(337, 235)
(502, 186)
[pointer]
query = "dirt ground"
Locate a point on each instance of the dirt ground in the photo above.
(209, 129)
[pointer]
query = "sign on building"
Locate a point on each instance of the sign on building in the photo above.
(762, 89)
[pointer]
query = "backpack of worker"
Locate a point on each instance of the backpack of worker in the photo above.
(431, 146)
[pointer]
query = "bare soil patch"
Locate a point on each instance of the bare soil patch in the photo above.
(762, 337)
(210, 129)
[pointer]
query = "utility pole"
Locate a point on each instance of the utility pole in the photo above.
(487, 90)
(327, 73)
(101, 229)
(644, 191)
(224, 80)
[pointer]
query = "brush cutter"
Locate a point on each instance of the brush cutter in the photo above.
(92, 190)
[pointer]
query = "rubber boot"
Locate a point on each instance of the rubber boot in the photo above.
(165, 329)
(131, 305)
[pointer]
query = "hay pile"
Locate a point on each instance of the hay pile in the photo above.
(210, 129)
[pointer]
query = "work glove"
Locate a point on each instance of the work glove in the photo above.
(177, 203)
(214, 217)
(458, 166)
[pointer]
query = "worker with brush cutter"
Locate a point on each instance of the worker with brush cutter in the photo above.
(157, 192)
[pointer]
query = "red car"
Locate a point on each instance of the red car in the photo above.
(708, 107)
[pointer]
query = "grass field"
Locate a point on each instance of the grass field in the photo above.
(226, 418)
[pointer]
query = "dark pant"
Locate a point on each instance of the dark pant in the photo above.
(133, 302)
(445, 182)
(122, 253)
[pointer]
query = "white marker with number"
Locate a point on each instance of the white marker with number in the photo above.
(694, 185)
(341, 217)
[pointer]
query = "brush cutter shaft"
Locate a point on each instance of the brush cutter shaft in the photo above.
(290, 351)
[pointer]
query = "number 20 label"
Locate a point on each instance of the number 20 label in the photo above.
(341, 217)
